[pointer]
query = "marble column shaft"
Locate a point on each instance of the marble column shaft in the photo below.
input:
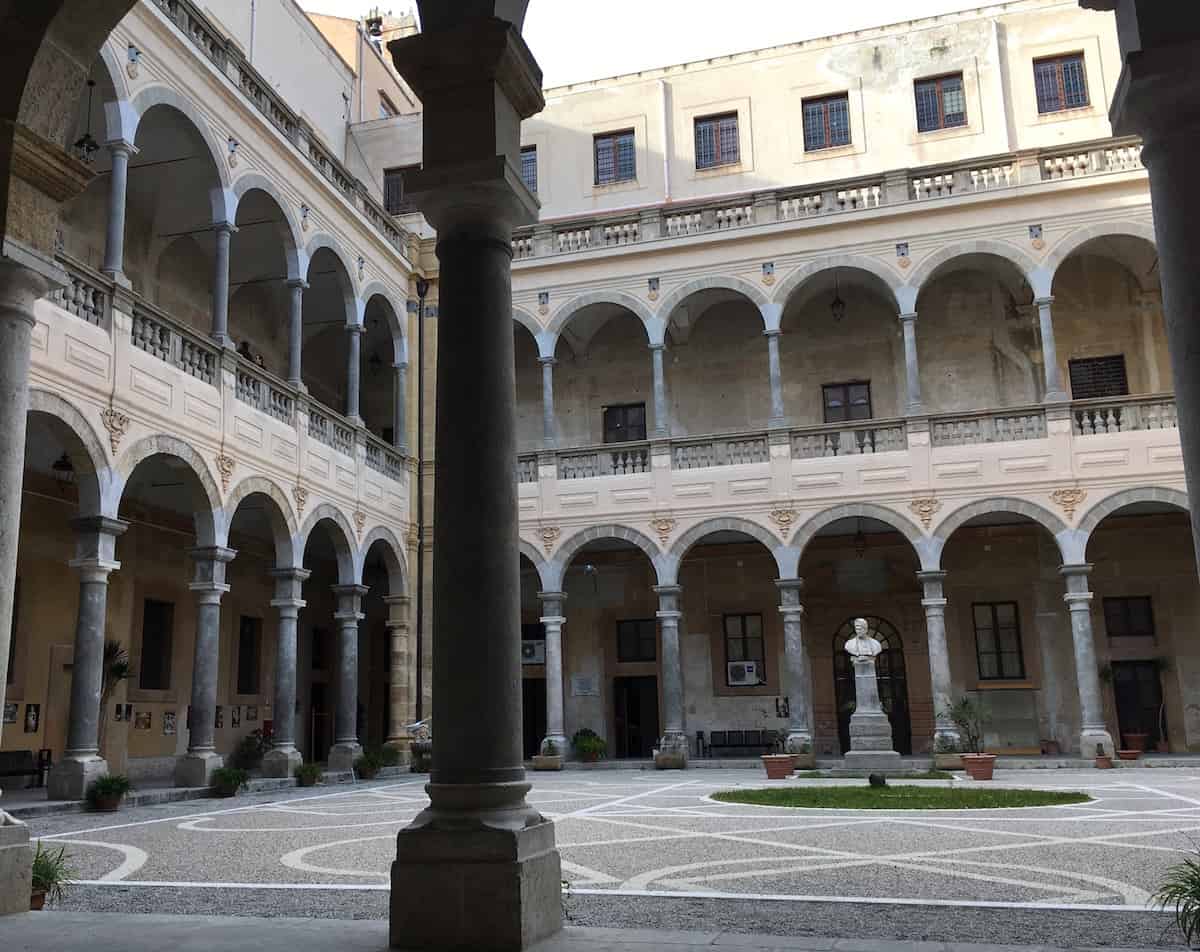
(775, 370)
(662, 423)
(354, 334)
(400, 699)
(223, 234)
(798, 677)
(668, 615)
(912, 370)
(400, 407)
(553, 620)
(118, 185)
(209, 586)
(1093, 732)
(349, 614)
(946, 735)
(549, 421)
(1053, 375)
(289, 584)
(296, 289)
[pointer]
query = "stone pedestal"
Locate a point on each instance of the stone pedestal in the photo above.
(16, 862)
(870, 730)
(195, 768)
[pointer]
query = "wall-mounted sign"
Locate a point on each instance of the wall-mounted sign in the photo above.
(585, 685)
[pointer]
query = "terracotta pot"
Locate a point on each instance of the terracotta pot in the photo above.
(1104, 762)
(778, 766)
(1129, 754)
(1050, 748)
(979, 766)
(367, 773)
(106, 804)
(1163, 747)
(36, 901)
(1137, 741)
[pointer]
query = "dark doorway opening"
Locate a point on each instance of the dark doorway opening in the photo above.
(1138, 691)
(533, 707)
(635, 717)
(322, 722)
(893, 683)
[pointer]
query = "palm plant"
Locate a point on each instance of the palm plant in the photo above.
(52, 873)
(116, 669)
(1180, 892)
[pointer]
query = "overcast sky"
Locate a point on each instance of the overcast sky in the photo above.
(575, 40)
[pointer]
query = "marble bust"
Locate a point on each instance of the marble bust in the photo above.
(862, 645)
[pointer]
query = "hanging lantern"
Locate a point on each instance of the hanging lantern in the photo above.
(837, 307)
(86, 146)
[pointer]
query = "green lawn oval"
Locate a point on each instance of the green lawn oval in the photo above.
(900, 797)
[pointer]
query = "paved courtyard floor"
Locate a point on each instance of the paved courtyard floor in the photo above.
(651, 850)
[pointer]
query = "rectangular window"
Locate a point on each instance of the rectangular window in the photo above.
(1095, 377)
(826, 122)
(1129, 617)
(616, 157)
(625, 423)
(637, 640)
(941, 103)
(249, 655)
(386, 108)
(395, 192)
(717, 141)
(744, 642)
(158, 624)
(998, 641)
(529, 167)
(1061, 83)
(845, 402)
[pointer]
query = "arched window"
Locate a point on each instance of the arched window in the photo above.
(893, 684)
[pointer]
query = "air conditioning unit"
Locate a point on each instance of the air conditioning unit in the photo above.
(743, 673)
(533, 652)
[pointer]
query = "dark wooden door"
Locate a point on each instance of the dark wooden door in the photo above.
(635, 715)
(893, 683)
(1138, 690)
(533, 715)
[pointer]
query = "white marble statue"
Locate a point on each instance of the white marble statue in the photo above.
(862, 645)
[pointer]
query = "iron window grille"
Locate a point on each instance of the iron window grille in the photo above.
(616, 157)
(846, 402)
(395, 190)
(637, 640)
(529, 168)
(1096, 377)
(744, 641)
(998, 641)
(826, 122)
(1061, 83)
(941, 103)
(717, 141)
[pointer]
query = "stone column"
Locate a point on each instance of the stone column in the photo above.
(798, 679)
(1093, 732)
(479, 846)
(912, 372)
(283, 757)
(774, 368)
(400, 410)
(346, 748)
(223, 233)
(95, 558)
(672, 750)
(296, 289)
(946, 736)
(114, 245)
(662, 422)
(549, 423)
(194, 769)
(353, 371)
(399, 712)
(553, 619)
(1054, 382)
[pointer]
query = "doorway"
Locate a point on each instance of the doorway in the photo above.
(893, 683)
(635, 717)
(533, 715)
(1138, 691)
(322, 723)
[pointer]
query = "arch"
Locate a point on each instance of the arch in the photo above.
(655, 328)
(397, 565)
(794, 281)
(342, 536)
(537, 560)
(1064, 536)
(254, 182)
(754, 295)
(1023, 262)
(280, 515)
(808, 530)
(541, 337)
(91, 491)
(377, 290)
(556, 568)
(1127, 497)
(117, 113)
(1072, 242)
(164, 445)
(678, 552)
(349, 293)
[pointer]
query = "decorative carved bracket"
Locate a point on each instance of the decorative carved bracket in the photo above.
(664, 526)
(116, 423)
(549, 536)
(784, 518)
(925, 510)
(300, 494)
(1068, 500)
(225, 466)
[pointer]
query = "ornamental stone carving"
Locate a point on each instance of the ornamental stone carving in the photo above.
(925, 510)
(784, 518)
(300, 494)
(360, 523)
(225, 466)
(116, 423)
(664, 526)
(1068, 500)
(549, 535)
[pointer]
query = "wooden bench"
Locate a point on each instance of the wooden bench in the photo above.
(24, 763)
(757, 741)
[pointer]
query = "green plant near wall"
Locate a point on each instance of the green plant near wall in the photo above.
(227, 781)
(52, 873)
(1180, 893)
(969, 718)
(589, 745)
(116, 669)
(309, 775)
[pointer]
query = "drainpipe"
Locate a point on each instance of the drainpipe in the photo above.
(361, 35)
(422, 291)
(666, 117)
(253, 27)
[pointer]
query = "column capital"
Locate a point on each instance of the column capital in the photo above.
(210, 562)
(400, 366)
(122, 147)
(548, 597)
(346, 591)
(547, 361)
(291, 574)
(772, 333)
(224, 228)
(932, 575)
(398, 601)
(907, 317)
(355, 329)
(215, 554)
(1083, 569)
(99, 525)
(789, 584)
(667, 590)
(1044, 301)
(20, 287)
(657, 346)
(297, 283)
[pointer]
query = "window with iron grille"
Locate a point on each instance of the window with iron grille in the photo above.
(941, 103)
(744, 642)
(395, 190)
(1094, 377)
(998, 641)
(249, 655)
(529, 168)
(637, 640)
(616, 158)
(625, 423)
(826, 122)
(158, 622)
(717, 141)
(1061, 83)
(1131, 617)
(845, 402)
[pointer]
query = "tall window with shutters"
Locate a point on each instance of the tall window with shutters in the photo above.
(717, 141)
(616, 157)
(625, 423)
(158, 623)
(249, 658)
(529, 167)
(826, 122)
(941, 103)
(998, 641)
(846, 402)
(1061, 83)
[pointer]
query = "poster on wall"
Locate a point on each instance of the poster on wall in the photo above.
(142, 721)
(219, 718)
(10, 712)
(168, 723)
(33, 717)
(251, 713)
(235, 716)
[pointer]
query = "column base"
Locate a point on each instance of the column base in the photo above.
(70, 778)
(16, 866)
(196, 769)
(281, 761)
(343, 754)
(479, 888)
(1091, 737)
(672, 752)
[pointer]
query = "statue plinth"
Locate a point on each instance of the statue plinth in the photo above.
(871, 746)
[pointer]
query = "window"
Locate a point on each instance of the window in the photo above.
(1129, 617)
(744, 642)
(249, 655)
(941, 103)
(320, 638)
(625, 423)
(847, 401)
(637, 640)
(529, 167)
(158, 623)
(1061, 83)
(998, 641)
(616, 158)
(386, 108)
(1093, 377)
(395, 190)
(717, 141)
(826, 122)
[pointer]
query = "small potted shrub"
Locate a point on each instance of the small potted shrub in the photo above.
(104, 794)
(51, 876)
(946, 755)
(228, 781)
(589, 746)
(549, 758)
(308, 775)
(779, 766)
(1103, 760)
(968, 717)
(368, 765)
(249, 753)
(1180, 893)
(805, 758)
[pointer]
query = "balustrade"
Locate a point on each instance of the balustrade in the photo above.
(153, 332)
(87, 296)
(255, 388)
(734, 451)
(615, 460)
(1125, 414)
(1007, 426)
(527, 469)
(882, 436)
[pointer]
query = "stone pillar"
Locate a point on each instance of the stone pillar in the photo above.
(797, 680)
(353, 371)
(946, 736)
(1093, 732)
(662, 423)
(479, 846)
(400, 408)
(912, 371)
(283, 757)
(549, 423)
(114, 245)
(296, 289)
(778, 418)
(95, 558)
(672, 750)
(1054, 383)
(399, 708)
(346, 748)
(223, 233)
(553, 619)
(194, 769)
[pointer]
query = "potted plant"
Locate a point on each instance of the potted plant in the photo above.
(104, 794)
(368, 765)
(969, 718)
(779, 766)
(51, 876)
(228, 781)
(1129, 753)
(308, 775)
(1180, 893)
(1103, 760)
(805, 758)
(946, 755)
(549, 758)
(589, 746)
(249, 753)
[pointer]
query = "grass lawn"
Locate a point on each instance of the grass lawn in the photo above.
(899, 797)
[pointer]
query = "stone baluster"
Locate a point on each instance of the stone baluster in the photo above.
(283, 757)
(1093, 732)
(346, 748)
(553, 620)
(798, 677)
(673, 746)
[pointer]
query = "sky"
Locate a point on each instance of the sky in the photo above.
(576, 40)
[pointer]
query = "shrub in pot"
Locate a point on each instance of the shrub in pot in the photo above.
(589, 746)
(308, 775)
(968, 717)
(228, 781)
(1180, 894)
(249, 753)
(51, 876)
(368, 765)
(104, 794)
